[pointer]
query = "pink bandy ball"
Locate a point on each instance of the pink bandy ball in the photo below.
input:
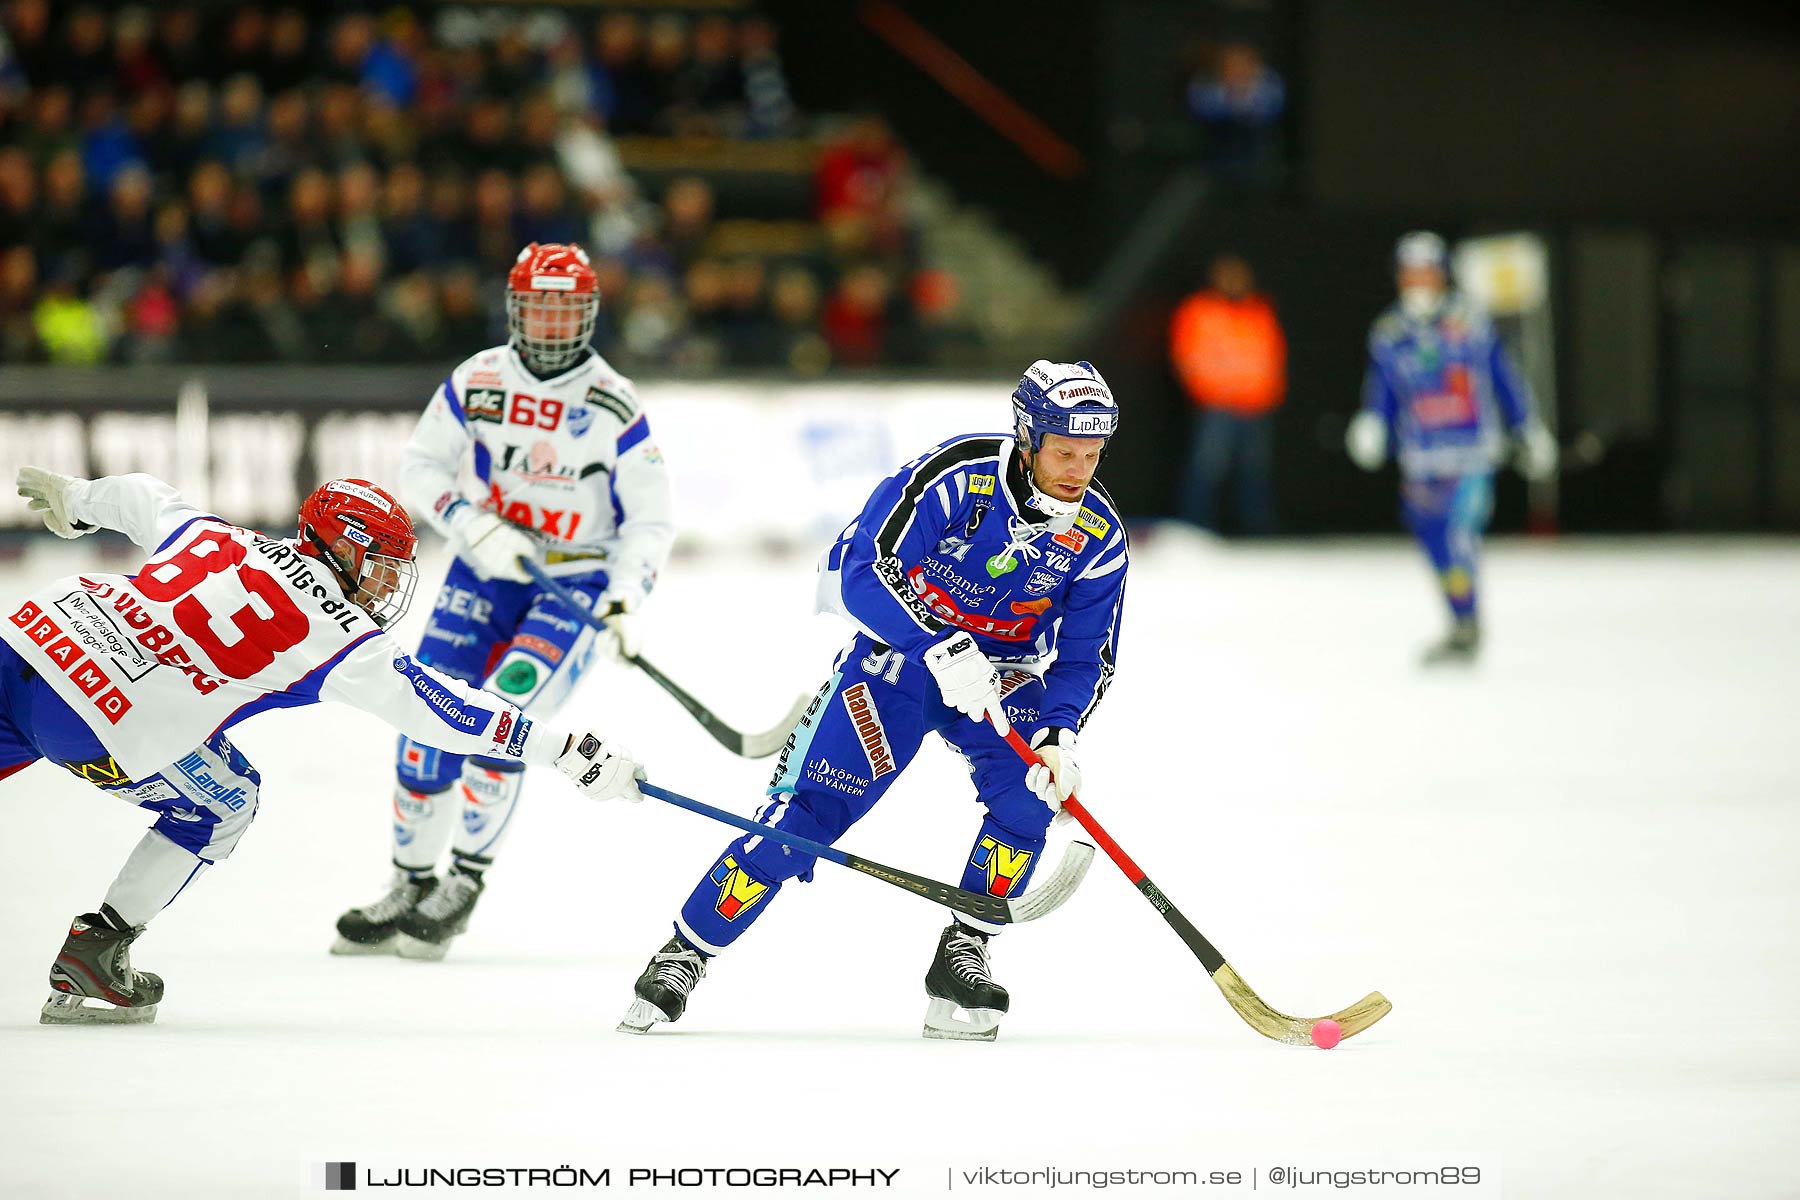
(1327, 1033)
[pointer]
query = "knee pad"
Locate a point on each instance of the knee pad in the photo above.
(425, 769)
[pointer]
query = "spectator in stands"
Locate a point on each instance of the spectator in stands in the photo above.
(288, 146)
(209, 215)
(18, 295)
(181, 150)
(606, 191)
(621, 75)
(495, 242)
(512, 67)
(136, 68)
(152, 318)
(66, 218)
(1228, 351)
(449, 208)
(307, 234)
(126, 236)
(544, 213)
(287, 62)
(27, 28)
(856, 322)
(50, 129)
(768, 104)
(665, 58)
(337, 125)
(106, 141)
(709, 87)
(745, 327)
(67, 324)
(351, 39)
(653, 323)
(359, 210)
(465, 322)
(1239, 102)
(18, 198)
(414, 239)
(390, 70)
(239, 138)
(687, 218)
(178, 43)
(243, 50)
(85, 60)
(794, 305)
(177, 260)
(148, 115)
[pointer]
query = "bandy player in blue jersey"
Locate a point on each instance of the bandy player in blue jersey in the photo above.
(986, 580)
(1442, 396)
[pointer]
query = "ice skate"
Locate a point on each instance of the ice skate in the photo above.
(1459, 646)
(93, 980)
(375, 929)
(425, 930)
(663, 989)
(961, 978)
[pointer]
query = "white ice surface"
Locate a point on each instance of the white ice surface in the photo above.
(1575, 870)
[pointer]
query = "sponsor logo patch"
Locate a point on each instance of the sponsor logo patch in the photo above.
(1074, 539)
(1093, 522)
(1091, 424)
(518, 678)
(981, 485)
(101, 772)
(580, 420)
(737, 891)
(861, 707)
(547, 650)
(484, 404)
(360, 492)
(1041, 581)
(1004, 865)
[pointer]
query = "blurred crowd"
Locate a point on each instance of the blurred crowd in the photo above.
(306, 183)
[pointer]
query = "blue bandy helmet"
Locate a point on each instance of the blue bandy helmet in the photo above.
(1064, 398)
(1069, 399)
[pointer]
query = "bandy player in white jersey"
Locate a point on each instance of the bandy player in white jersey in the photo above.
(130, 682)
(533, 449)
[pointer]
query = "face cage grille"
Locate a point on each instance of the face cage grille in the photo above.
(547, 352)
(385, 610)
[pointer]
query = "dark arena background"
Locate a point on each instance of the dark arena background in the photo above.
(1530, 776)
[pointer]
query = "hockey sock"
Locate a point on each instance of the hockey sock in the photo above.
(725, 902)
(151, 878)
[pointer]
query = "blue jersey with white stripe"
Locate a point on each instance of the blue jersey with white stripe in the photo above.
(1444, 388)
(948, 542)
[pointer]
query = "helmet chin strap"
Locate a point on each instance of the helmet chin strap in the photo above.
(350, 585)
(1061, 513)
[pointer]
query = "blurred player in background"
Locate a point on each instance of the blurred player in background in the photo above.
(130, 682)
(1443, 396)
(536, 449)
(986, 579)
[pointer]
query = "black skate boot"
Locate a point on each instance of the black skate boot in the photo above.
(961, 978)
(663, 989)
(1459, 647)
(93, 980)
(425, 929)
(375, 929)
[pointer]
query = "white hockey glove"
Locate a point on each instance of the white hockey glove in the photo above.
(1366, 440)
(1057, 777)
(1537, 450)
(604, 772)
(966, 679)
(490, 545)
(48, 493)
(618, 607)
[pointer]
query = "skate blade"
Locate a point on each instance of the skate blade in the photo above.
(407, 946)
(61, 1009)
(640, 1017)
(942, 1023)
(345, 946)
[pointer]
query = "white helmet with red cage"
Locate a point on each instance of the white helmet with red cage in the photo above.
(552, 299)
(366, 539)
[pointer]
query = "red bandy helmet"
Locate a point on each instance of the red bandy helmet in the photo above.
(552, 298)
(365, 537)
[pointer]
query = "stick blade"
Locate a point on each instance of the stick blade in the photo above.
(1294, 1031)
(1049, 895)
(761, 745)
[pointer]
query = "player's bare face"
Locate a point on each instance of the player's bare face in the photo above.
(1064, 466)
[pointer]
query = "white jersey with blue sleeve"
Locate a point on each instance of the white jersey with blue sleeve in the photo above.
(223, 623)
(570, 457)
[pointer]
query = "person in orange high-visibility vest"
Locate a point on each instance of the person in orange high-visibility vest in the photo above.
(1227, 348)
